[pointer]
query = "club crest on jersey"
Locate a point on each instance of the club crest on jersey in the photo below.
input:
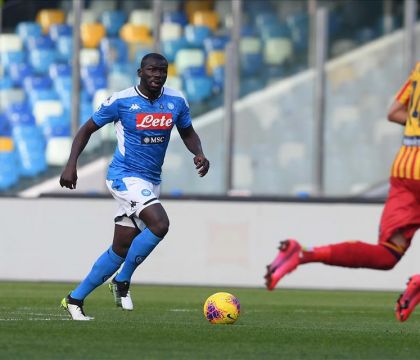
(154, 121)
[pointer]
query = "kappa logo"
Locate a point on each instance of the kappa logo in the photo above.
(134, 107)
(155, 121)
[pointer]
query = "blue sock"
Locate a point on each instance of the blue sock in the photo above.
(106, 265)
(142, 245)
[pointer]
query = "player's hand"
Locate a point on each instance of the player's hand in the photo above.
(68, 178)
(201, 164)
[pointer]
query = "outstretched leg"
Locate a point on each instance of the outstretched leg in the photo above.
(408, 300)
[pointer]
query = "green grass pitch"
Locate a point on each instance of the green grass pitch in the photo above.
(168, 323)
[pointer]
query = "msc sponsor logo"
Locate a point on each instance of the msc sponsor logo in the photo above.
(155, 121)
(151, 140)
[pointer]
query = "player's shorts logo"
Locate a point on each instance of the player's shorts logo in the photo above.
(155, 121)
(139, 260)
(146, 192)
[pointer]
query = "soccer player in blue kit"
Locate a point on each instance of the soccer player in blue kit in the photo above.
(143, 116)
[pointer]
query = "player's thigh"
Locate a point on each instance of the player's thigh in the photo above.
(156, 219)
(123, 237)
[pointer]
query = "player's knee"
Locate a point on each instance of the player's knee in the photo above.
(389, 263)
(161, 228)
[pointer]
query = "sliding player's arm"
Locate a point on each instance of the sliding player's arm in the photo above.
(398, 113)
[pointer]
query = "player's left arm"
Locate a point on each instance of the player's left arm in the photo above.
(193, 143)
(398, 113)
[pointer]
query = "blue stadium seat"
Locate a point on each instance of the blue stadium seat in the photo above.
(299, 27)
(265, 19)
(213, 43)
(56, 126)
(92, 71)
(248, 30)
(6, 82)
(275, 31)
(171, 47)
(196, 34)
(42, 94)
(39, 42)
(58, 70)
(20, 71)
(9, 170)
(198, 89)
(64, 47)
(178, 17)
(113, 50)
(30, 145)
(251, 63)
(36, 82)
(113, 20)
(20, 114)
(5, 127)
(41, 59)
(10, 57)
(26, 29)
(194, 71)
(94, 83)
(218, 79)
(57, 30)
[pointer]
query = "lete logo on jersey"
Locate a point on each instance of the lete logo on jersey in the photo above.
(155, 121)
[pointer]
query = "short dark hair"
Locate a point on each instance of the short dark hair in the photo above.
(149, 56)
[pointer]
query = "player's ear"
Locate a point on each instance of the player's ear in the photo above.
(139, 72)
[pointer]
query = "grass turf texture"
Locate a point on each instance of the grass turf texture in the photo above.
(168, 323)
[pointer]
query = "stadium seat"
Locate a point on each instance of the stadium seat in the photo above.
(215, 59)
(117, 81)
(89, 57)
(250, 52)
(113, 20)
(92, 71)
(57, 30)
(275, 31)
(30, 146)
(19, 114)
(171, 47)
(192, 6)
(39, 42)
(198, 89)
(10, 96)
(9, 57)
(48, 17)
(218, 74)
(6, 83)
(175, 17)
(277, 51)
(28, 28)
(41, 59)
(170, 31)
(92, 84)
(215, 43)
(206, 18)
(196, 34)
(56, 126)
(299, 27)
(113, 50)
(42, 94)
(188, 58)
(91, 34)
(5, 126)
(19, 71)
(58, 70)
(132, 33)
(44, 108)
(88, 17)
(141, 17)
(6, 144)
(64, 47)
(174, 82)
(9, 170)
(36, 82)
(10, 42)
(101, 6)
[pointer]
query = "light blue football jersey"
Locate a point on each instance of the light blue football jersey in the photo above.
(143, 130)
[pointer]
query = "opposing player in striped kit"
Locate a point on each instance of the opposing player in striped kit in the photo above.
(143, 117)
(400, 218)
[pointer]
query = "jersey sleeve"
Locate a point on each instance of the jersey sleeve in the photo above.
(184, 120)
(404, 94)
(107, 112)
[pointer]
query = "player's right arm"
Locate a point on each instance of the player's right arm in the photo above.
(68, 177)
(398, 113)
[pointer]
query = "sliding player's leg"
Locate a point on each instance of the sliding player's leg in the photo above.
(408, 300)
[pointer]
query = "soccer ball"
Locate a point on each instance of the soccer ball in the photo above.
(222, 308)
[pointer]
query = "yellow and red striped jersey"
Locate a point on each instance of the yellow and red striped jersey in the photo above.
(407, 162)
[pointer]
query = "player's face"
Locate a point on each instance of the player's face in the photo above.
(153, 75)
